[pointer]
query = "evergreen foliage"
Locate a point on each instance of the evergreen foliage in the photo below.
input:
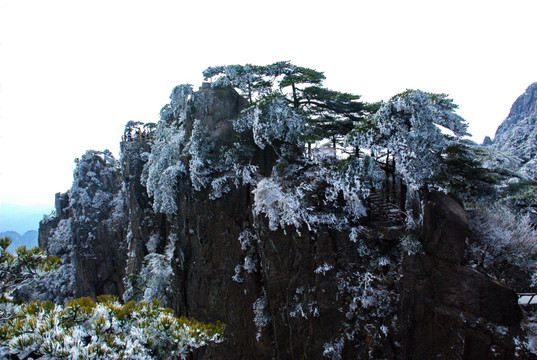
(408, 128)
(462, 172)
(106, 329)
(521, 193)
(330, 114)
(22, 268)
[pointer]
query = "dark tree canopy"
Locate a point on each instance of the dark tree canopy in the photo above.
(330, 114)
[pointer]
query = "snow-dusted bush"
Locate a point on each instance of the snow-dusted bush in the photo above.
(199, 147)
(22, 268)
(317, 193)
(94, 181)
(505, 248)
(175, 157)
(156, 276)
(504, 235)
(412, 126)
(270, 122)
(249, 245)
(410, 244)
(353, 179)
(367, 289)
(281, 208)
(333, 349)
(57, 285)
(165, 163)
(261, 314)
(107, 329)
(305, 306)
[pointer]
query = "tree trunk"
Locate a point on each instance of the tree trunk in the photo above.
(295, 98)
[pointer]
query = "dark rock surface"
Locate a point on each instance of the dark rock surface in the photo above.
(449, 310)
(138, 211)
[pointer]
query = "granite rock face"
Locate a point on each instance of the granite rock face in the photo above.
(448, 310)
(517, 135)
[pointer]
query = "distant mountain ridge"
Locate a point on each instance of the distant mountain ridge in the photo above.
(517, 134)
(29, 239)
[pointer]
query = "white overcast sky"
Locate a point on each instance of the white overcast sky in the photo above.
(73, 72)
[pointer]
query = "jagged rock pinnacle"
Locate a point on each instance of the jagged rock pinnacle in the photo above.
(517, 134)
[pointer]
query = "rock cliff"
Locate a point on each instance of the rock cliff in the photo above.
(449, 310)
(306, 259)
(87, 230)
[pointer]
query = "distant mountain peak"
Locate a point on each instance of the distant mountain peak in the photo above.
(524, 106)
(29, 238)
(517, 135)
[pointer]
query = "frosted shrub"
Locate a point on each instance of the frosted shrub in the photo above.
(179, 99)
(261, 315)
(199, 147)
(107, 329)
(410, 245)
(306, 307)
(164, 165)
(271, 122)
(369, 294)
(95, 171)
(247, 239)
(23, 268)
(176, 157)
(332, 350)
(505, 232)
(281, 208)
(249, 242)
(322, 269)
(530, 329)
(353, 179)
(55, 285)
(410, 125)
(157, 275)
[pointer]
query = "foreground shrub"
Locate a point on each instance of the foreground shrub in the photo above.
(106, 329)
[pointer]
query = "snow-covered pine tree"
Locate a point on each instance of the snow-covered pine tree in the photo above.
(330, 114)
(414, 128)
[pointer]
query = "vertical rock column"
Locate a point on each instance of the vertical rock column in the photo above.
(449, 310)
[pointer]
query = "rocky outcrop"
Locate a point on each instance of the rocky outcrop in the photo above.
(330, 285)
(517, 135)
(50, 222)
(98, 225)
(448, 310)
(138, 211)
(87, 230)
